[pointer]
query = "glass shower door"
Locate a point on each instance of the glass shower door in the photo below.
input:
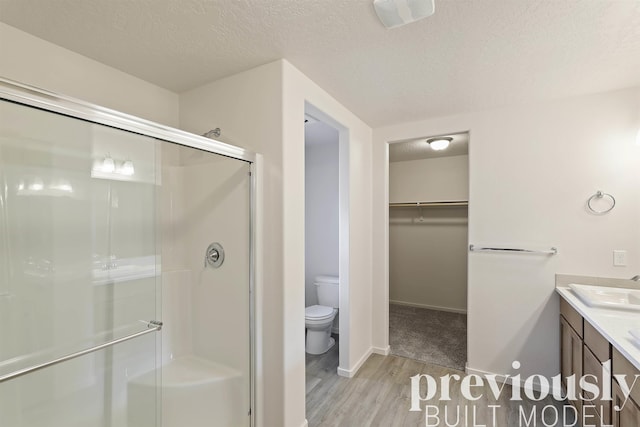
(125, 272)
(79, 269)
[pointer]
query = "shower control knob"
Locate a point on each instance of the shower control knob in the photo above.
(214, 257)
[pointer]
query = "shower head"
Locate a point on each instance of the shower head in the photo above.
(213, 133)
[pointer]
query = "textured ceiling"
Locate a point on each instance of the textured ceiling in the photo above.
(470, 55)
(418, 148)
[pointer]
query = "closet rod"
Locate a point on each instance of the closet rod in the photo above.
(428, 204)
(552, 251)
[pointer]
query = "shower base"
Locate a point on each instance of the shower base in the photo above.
(194, 392)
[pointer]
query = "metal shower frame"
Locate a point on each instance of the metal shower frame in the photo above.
(24, 94)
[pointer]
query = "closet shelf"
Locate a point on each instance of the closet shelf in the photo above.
(456, 203)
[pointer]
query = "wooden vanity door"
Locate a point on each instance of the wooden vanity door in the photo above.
(571, 356)
(629, 416)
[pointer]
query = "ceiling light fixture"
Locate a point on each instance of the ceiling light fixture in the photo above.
(440, 143)
(395, 13)
(62, 185)
(110, 168)
(108, 165)
(36, 185)
(127, 168)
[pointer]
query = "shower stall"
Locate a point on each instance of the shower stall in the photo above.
(126, 270)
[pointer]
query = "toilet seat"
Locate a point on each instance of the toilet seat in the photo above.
(318, 312)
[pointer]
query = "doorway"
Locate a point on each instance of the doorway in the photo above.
(326, 248)
(428, 241)
(322, 250)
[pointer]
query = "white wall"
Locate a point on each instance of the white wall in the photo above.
(321, 207)
(428, 247)
(357, 275)
(248, 108)
(532, 169)
(355, 203)
(28, 59)
(437, 179)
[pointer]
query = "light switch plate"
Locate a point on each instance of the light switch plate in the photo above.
(619, 258)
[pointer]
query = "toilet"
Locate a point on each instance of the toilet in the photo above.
(319, 318)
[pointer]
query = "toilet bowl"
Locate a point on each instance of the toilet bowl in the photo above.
(319, 318)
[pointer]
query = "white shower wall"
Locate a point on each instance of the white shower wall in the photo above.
(205, 199)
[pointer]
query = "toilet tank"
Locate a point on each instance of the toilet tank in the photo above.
(327, 288)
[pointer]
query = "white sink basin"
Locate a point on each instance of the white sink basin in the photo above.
(601, 296)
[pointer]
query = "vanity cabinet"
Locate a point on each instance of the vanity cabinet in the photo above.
(596, 352)
(629, 416)
(571, 329)
(583, 351)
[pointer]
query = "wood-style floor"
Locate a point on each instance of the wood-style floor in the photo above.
(380, 395)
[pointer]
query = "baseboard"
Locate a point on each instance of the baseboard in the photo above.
(430, 307)
(501, 378)
(349, 373)
(380, 350)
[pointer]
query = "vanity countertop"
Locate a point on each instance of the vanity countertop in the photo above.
(614, 325)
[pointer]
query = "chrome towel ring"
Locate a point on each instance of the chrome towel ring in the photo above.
(599, 195)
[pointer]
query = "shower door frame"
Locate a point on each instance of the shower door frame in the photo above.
(42, 99)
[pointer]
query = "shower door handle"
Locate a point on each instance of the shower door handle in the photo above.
(152, 325)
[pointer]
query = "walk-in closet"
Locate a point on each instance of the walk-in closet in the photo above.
(428, 246)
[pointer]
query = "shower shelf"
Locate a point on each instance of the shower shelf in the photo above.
(128, 269)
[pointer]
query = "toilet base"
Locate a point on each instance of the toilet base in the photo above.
(318, 344)
(332, 342)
